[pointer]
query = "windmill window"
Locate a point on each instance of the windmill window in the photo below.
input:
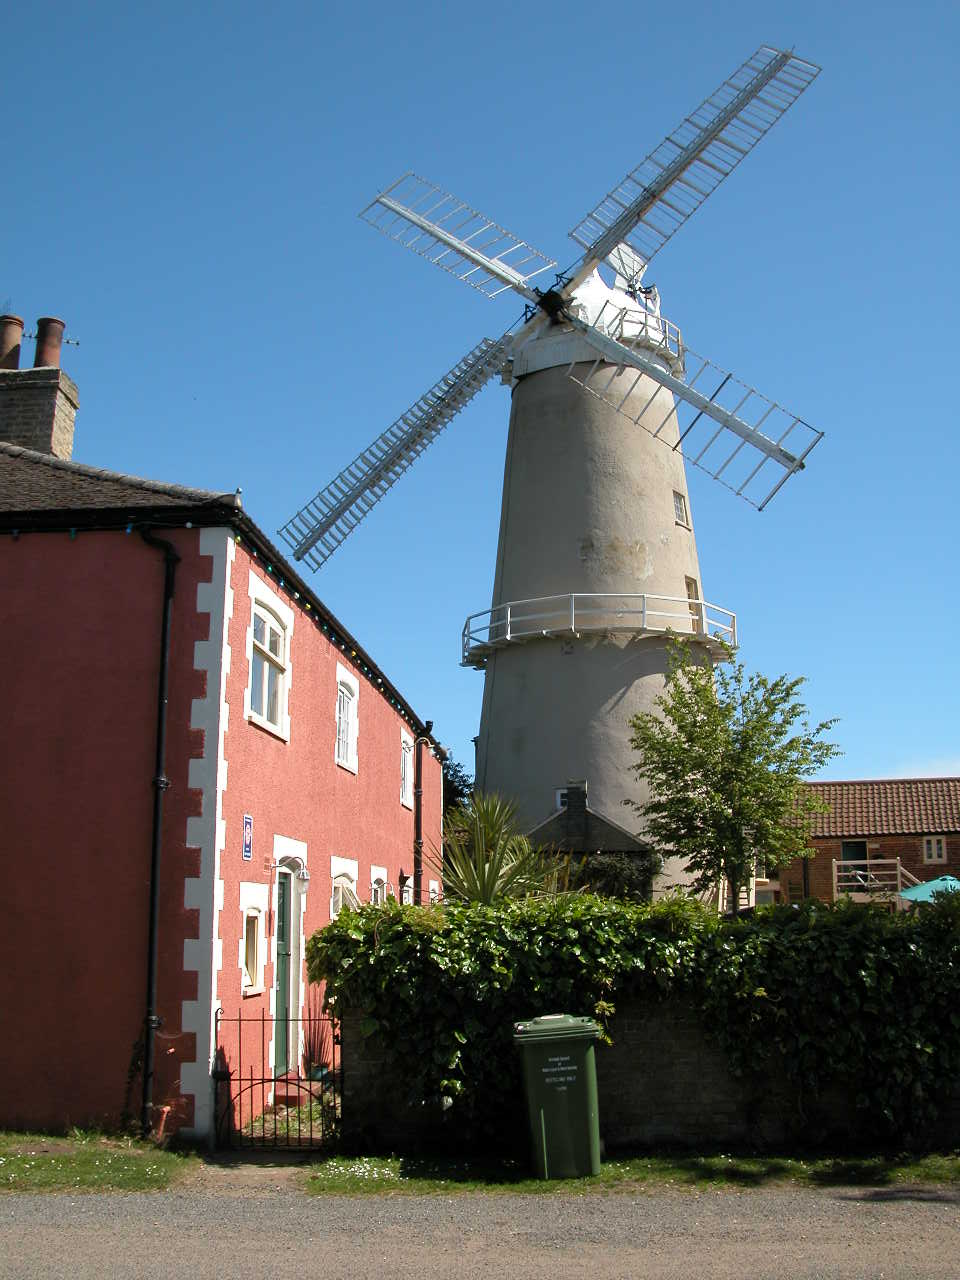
(934, 849)
(406, 770)
(348, 699)
(680, 509)
(693, 601)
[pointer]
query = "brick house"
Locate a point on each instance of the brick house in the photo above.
(876, 837)
(201, 765)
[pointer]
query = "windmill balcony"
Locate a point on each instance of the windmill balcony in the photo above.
(645, 329)
(592, 613)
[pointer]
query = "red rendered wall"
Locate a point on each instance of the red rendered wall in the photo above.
(81, 632)
(296, 789)
(80, 621)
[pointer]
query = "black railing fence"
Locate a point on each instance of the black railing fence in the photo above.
(277, 1081)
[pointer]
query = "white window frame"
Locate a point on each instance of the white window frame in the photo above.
(681, 510)
(253, 900)
(406, 770)
(346, 738)
(934, 850)
(344, 873)
(378, 885)
(434, 891)
(265, 600)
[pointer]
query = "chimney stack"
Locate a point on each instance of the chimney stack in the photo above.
(11, 335)
(38, 406)
(49, 342)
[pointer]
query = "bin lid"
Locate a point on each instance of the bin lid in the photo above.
(556, 1026)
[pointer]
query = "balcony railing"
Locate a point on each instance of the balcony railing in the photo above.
(584, 613)
(867, 878)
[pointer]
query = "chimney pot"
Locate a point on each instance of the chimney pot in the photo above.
(49, 342)
(11, 334)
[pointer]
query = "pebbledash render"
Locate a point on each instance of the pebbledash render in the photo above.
(274, 774)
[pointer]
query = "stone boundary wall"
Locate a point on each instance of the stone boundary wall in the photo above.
(663, 1083)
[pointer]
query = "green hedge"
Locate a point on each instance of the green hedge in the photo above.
(847, 994)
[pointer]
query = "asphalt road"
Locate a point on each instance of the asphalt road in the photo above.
(666, 1233)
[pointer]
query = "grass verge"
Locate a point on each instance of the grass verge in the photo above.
(83, 1161)
(380, 1174)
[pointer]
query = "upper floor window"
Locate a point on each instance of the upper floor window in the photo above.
(378, 892)
(934, 848)
(267, 697)
(680, 508)
(406, 770)
(267, 666)
(348, 700)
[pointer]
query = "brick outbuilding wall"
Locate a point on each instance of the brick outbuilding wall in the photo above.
(663, 1082)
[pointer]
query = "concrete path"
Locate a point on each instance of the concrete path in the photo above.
(231, 1224)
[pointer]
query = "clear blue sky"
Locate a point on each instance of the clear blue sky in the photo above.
(181, 184)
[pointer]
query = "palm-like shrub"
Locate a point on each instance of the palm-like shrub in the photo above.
(486, 858)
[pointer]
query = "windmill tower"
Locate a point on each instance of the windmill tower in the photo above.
(596, 562)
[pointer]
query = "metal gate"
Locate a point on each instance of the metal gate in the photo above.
(258, 1107)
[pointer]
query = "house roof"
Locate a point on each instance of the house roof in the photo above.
(33, 482)
(887, 806)
(39, 492)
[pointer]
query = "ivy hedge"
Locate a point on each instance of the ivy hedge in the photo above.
(850, 994)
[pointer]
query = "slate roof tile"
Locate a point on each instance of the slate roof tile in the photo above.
(32, 481)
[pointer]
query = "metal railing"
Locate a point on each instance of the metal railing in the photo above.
(638, 327)
(261, 1105)
(870, 878)
(581, 613)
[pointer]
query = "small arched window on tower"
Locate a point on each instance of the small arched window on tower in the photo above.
(695, 605)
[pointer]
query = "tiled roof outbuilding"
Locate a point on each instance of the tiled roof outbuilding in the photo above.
(891, 806)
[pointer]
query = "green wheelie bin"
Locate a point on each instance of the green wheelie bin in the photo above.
(560, 1075)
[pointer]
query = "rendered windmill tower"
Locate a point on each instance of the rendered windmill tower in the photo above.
(596, 561)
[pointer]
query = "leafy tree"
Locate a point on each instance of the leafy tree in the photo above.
(457, 784)
(724, 757)
(628, 876)
(485, 857)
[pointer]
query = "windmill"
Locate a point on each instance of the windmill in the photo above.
(596, 562)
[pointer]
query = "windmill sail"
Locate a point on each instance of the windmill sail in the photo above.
(318, 528)
(456, 237)
(655, 199)
(726, 428)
